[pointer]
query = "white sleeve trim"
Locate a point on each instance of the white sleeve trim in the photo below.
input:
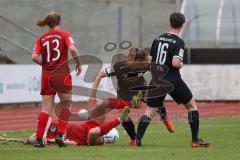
(109, 71)
(179, 57)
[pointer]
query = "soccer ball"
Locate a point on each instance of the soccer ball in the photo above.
(83, 115)
(111, 137)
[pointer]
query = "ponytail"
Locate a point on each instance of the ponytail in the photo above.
(52, 19)
(136, 56)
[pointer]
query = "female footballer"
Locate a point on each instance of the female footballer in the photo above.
(127, 74)
(53, 48)
(88, 133)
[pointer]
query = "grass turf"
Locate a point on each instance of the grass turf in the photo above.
(223, 133)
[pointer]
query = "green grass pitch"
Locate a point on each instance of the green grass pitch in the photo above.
(223, 133)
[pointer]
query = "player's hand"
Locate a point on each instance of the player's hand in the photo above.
(92, 101)
(44, 140)
(78, 70)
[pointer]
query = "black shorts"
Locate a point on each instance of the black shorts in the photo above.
(181, 94)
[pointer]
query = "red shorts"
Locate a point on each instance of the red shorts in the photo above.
(56, 82)
(115, 103)
(79, 132)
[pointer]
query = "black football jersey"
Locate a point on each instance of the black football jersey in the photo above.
(127, 79)
(163, 49)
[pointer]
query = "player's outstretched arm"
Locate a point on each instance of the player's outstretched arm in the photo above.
(96, 83)
(45, 140)
(68, 142)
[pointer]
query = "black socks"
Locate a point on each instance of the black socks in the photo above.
(142, 126)
(193, 119)
(162, 113)
(130, 129)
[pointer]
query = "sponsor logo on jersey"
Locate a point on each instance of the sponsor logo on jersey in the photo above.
(53, 128)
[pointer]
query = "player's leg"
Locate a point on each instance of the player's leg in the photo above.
(183, 95)
(47, 105)
(130, 129)
(128, 125)
(100, 107)
(193, 119)
(96, 133)
(144, 122)
(63, 113)
(163, 114)
(151, 109)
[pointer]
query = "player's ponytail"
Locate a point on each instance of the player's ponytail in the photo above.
(52, 19)
(136, 56)
(132, 53)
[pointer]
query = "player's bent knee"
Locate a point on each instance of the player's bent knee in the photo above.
(150, 112)
(191, 105)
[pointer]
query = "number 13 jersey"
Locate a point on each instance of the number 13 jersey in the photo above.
(53, 47)
(163, 49)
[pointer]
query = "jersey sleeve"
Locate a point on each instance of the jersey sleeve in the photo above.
(37, 47)
(69, 40)
(110, 71)
(179, 51)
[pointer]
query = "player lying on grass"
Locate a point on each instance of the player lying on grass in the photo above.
(90, 132)
(126, 73)
(168, 50)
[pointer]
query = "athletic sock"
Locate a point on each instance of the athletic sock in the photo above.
(162, 112)
(130, 128)
(193, 119)
(142, 126)
(108, 126)
(41, 125)
(63, 120)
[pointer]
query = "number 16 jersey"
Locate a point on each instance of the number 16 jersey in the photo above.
(53, 47)
(163, 49)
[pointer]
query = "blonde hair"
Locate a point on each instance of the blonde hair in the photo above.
(137, 55)
(52, 19)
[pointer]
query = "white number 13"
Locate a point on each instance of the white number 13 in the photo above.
(56, 49)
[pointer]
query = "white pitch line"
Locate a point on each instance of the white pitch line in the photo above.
(219, 22)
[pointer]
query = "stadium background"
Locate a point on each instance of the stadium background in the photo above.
(212, 54)
(212, 37)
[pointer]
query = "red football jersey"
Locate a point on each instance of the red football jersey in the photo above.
(74, 132)
(53, 47)
(79, 132)
(52, 131)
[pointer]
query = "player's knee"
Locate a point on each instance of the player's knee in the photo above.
(65, 103)
(101, 103)
(191, 105)
(150, 112)
(145, 119)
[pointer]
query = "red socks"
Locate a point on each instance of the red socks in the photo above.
(63, 120)
(41, 125)
(108, 126)
(114, 103)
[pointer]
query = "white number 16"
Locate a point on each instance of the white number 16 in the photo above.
(162, 53)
